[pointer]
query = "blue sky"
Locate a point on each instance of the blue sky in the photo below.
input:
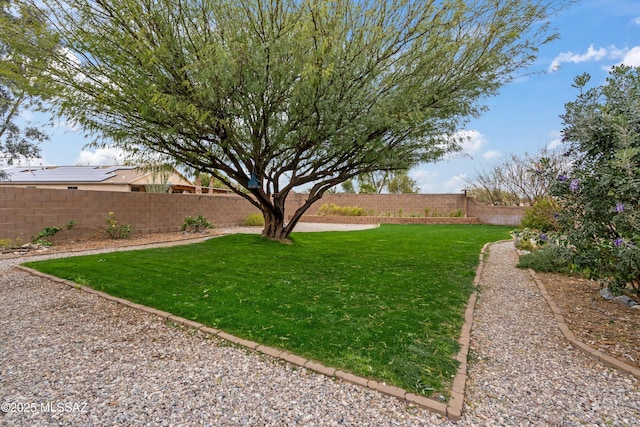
(594, 36)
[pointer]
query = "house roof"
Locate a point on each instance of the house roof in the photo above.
(73, 174)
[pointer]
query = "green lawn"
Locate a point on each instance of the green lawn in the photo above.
(385, 303)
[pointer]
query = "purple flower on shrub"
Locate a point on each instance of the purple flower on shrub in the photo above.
(567, 153)
(618, 242)
(619, 207)
(574, 185)
(544, 237)
(562, 177)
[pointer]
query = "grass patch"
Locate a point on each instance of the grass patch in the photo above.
(385, 303)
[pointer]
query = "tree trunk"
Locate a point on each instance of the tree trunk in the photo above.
(274, 216)
(274, 226)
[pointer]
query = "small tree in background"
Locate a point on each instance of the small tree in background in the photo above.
(518, 180)
(402, 184)
(600, 193)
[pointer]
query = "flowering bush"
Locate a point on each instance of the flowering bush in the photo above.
(116, 230)
(600, 194)
(532, 239)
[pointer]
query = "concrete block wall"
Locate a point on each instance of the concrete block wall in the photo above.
(499, 215)
(26, 211)
(397, 204)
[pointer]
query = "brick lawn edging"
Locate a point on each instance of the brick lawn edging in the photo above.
(452, 411)
(570, 336)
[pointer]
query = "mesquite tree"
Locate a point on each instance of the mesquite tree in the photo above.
(281, 94)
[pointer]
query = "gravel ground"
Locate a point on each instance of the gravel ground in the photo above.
(523, 372)
(71, 358)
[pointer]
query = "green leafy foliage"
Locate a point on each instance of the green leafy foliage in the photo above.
(51, 231)
(115, 229)
(292, 93)
(542, 215)
(600, 193)
(254, 220)
(527, 239)
(549, 259)
(20, 139)
(333, 209)
(196, 224)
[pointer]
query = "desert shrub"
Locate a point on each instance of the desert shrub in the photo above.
(51, 231)
(437, 214)
(254, 220)
(600, 191)
(528, 239)
(116, 230)
(6, 243)
(550, 259)
(542, 215)
(333, 209)
(196, 224)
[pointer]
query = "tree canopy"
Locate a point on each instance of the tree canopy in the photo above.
(18, 140)
(282, 94)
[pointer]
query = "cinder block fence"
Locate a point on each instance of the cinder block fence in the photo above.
(26, 211)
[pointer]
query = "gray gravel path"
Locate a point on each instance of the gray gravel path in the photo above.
(523, 372)
(72, 358)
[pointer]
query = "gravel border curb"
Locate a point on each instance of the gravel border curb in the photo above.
(570, 336)
(452, 410)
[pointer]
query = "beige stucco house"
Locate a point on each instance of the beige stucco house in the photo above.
(98, 178)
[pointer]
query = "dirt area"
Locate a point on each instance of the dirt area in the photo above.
(103, 243)
(604, 325)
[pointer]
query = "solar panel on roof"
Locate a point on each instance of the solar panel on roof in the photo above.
(62, 173)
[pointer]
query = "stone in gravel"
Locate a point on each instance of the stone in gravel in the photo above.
(606, 294)
(625, 300)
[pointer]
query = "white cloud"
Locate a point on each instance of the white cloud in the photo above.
(428, 181)
(455, 184)
(591, 54)
(474, 141)
(637, 20)
(38, 161)
(424, 179)
(26, 115)
(101, 156)
(491, 154)
(632, 57)
(629, 56)
(66, 125)
(470, 141)
(556, 142)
